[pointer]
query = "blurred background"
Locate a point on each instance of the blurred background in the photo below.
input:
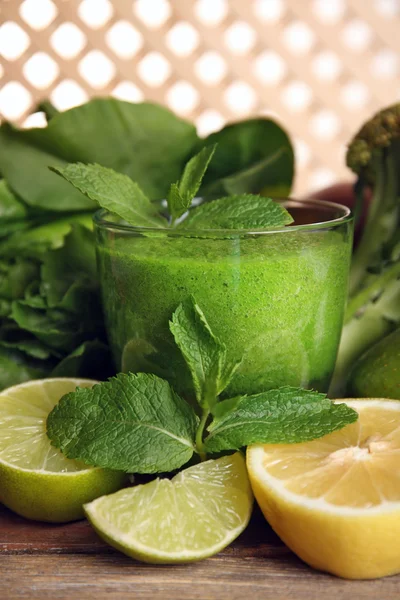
(320, 67)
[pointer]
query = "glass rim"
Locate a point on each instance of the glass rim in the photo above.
(100, 221)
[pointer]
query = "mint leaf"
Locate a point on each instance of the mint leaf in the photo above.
(204, 354)
(245, 211)
(283, 416)
(113, 191)
(182, 193)
(134, 423)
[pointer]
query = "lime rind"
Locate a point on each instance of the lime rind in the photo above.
(193, 516)
(36, 480)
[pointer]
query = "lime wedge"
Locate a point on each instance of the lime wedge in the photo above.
(195, 515)
(37, 480)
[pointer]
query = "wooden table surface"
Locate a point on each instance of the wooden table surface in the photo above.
(67, 562)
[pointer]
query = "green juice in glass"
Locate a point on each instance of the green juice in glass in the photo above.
(276, 299)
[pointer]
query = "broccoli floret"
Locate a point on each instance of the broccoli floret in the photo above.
(376, 134)
(374, 303)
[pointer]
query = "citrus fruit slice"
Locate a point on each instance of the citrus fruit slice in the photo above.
(192, 516)
(36, 480)
(335, 501)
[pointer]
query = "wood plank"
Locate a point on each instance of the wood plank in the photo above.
(115, 577)
(66, 562)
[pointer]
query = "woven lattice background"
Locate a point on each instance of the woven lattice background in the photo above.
(319, 66)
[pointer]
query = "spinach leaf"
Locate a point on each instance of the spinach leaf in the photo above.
(252, 156)
(145, 141)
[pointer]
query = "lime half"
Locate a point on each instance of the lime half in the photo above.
(37, 480)
(192, 516)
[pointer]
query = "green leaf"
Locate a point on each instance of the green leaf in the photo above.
(144, 141)
(10, 227)
(204, 354)
(238, 212)
(25, 167)
(15, 276)
(133, 423)
(71, 266)
(55, 328)
(253, 156)
(11, 209)
(38, 239)
(115, 192)
(91, 360)
(31, 347)
(182, 193)
(16, 367)
(283, 416)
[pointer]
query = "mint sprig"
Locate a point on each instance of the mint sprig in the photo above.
(245, 211)
(121, 196)
(133, 423)
(181, 194)
(283, 416)
(137, 423)
(204, 353)
(113, 191)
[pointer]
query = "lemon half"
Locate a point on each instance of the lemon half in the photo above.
(335, 501)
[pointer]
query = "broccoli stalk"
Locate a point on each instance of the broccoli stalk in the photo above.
(373, 309)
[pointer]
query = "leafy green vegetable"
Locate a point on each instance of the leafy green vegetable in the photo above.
(146, 142)
(43, 237)
(181, 194)
(31, 347)
(11, 209)
(15, 276)
(238, 212)
(24, 165)
(204, 354)
(113, 191)
(133, 423)
(286, 415)
(50, 305)
(68, 269)
(253, 156)
(16, 367)
(373, 306)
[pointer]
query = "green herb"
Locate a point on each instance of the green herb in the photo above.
(238, 212)
(286, 415)
(130, 423)
(204, 353)
(113, 191)
(206, 358)
(138, 423)
(181, 194)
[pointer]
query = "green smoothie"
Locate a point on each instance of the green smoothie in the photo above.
(275, 300)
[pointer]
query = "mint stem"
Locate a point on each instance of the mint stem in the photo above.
(199, 434)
